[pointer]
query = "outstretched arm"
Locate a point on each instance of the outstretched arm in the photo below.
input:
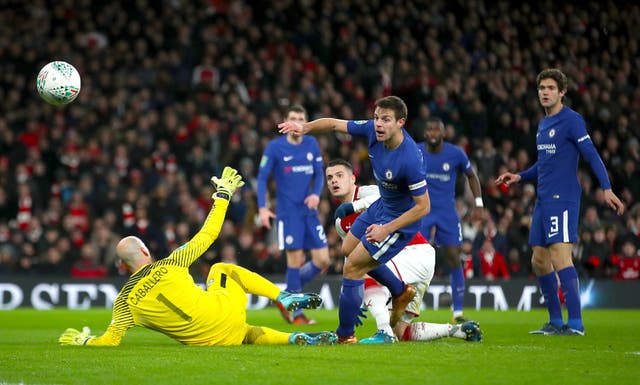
(186, 254)
(508, 178)
(111, 337)
(314, 126)
(121, 321)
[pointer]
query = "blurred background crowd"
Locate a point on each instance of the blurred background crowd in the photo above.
(175, 90)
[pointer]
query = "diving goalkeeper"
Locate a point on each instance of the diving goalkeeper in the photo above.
(162, 295)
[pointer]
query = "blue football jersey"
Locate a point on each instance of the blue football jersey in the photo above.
(441, 172)
(560, 140)
(399, 173)
(297, 171)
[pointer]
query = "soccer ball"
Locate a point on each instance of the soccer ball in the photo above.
(58, 83)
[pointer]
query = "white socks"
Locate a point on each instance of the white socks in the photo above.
(375, 299)
(425, 331)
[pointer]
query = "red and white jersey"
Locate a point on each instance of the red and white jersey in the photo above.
(363, 197)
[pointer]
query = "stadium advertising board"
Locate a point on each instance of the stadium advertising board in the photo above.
(520, 295)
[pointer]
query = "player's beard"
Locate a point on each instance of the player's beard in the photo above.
(434, 146)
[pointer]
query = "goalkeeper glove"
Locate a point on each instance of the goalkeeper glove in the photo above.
(343, 210)
(75, 337)
(227, 183)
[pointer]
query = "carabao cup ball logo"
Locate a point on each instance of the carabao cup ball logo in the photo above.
(58, 83)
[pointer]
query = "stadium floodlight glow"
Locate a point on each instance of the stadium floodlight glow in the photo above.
(586, 297)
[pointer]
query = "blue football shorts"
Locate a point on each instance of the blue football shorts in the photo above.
(554, 222)
(388, 248)
(447, 227)
(300, 232)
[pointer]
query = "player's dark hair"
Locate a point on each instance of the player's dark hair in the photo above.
(296, 108)
(435, 120)
(395, 104)
(340, 162)
(555, 74)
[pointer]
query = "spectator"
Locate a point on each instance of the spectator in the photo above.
(493, 264)
(626, 263)
(54, 263)
(517, 266)
(590, 220)
(595, 252)
(188, 87)
(88, 266)
(470, 265)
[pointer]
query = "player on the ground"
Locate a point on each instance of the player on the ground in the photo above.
(297, 167)
(443, 162)
(561, 138)
(389, 223)
(162, 295)
(415, 264)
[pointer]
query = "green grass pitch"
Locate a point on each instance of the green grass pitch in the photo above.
(609, 354)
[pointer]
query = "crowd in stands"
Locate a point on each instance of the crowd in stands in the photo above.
(172, 91)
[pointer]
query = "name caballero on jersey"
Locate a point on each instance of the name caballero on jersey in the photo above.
(147, 285)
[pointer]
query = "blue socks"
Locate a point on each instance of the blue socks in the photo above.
(293, 284)
(307, 272)
(293, 280)
(457, 288)
(571, 290)
(549, 286)
(386, 277)
(350, 302)
(297, 278)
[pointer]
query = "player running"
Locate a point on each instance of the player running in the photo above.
(389, 223)
(414, 264)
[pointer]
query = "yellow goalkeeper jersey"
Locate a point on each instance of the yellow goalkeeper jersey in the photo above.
(163, 296)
